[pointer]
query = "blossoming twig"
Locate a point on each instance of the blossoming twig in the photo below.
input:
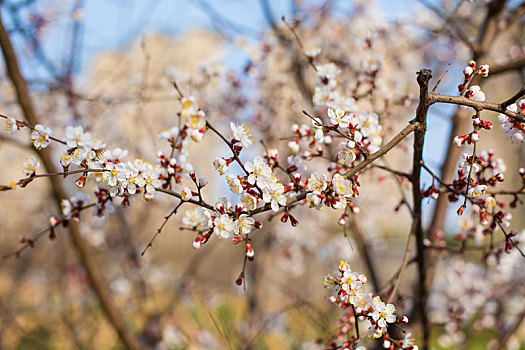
(23, 122)
(29, 242)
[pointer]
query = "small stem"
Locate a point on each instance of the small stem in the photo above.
(159, 230)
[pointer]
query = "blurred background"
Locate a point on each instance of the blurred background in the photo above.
(108, 64)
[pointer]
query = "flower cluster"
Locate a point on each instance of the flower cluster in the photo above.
(71, 207)
(513, 128)
(362, 133)
(351, 294)
(476, 173)
(473, 136)
(469, 72)
(336, 193)
(224, 221)
(83, 150)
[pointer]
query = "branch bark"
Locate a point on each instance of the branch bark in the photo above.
(98, 283)
(419, 139)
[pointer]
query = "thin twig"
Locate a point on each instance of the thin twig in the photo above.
(159, 230)
(441, 78)
(31, 242)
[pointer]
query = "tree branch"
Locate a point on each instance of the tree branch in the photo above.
(419, 139)
(478, 105)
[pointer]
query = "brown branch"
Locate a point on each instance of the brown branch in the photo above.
(419, 139)
(98, 282)
(477, 105)
(394, 172)
(384, 150)
(179, 196)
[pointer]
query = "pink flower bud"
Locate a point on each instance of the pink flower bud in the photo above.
(308, 155)
(81, 182)
(197, 135)
(460, 140)
(53, 221)
(220, 207)
(249, 250)
(202, 182)
(484, 70)
(197, 242)
(486, 125)
(239, 279)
